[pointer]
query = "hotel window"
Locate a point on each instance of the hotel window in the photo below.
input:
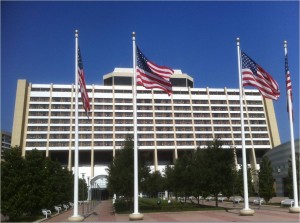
(249, 102)
(218, 102)
(56, 99)
(60, 121)
(163, 115)
(204, 129)
(214, 108)
(185, 115)
(40, 89)
(144, 121)
(182, 108)
(143, 107)
(162, 101)
(163, 108)
(178, 128)
(221, 122)
(37, 121)
(164, 129)
(144, 101)
(35, 144)
(39, 106)
(39, 99)
(202, 122)
(201, 115)
(257, 122)
(252, 93)
(222, 129)
(255, 109)
(37, 128)
(38, 113)
(145, 128)
(164, 122)
(183, 121)
(56, 113)
(234, 102)
(217, 93)
(36, 136)
(181, 101)
(59, 136)
(146, 136)
(123, 100)
(165, 136)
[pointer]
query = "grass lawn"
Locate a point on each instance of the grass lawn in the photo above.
(151, 205)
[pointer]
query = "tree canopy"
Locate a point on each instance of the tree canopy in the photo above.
(32, 183)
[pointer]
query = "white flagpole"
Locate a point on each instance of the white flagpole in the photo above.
(246, 211)
(76, 216)
(135, 215)
(295, 208)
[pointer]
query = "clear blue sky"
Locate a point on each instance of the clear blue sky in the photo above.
(37, 43)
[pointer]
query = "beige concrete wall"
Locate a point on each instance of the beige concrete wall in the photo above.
(272, 123)
(19, 114)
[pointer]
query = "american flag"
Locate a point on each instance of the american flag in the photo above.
(151, 75)
(81, 80)
(288, 81)
(254, 75)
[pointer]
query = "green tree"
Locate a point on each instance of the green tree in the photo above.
(32, 183)
(121, 171)
(183, 176)
(58, 184)
(169, 179)
(218, 166)
(12, 180)
(154, 184)
(289, 180)
(198, 174)
(266, 180)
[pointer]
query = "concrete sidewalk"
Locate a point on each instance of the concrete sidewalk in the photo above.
(103, 213)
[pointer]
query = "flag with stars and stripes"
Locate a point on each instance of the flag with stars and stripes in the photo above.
(81, 80)
(254, 75)
(288, 81)
(151, 75)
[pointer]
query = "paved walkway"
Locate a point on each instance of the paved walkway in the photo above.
(103, 213)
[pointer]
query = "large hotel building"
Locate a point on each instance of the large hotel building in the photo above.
(167, 125)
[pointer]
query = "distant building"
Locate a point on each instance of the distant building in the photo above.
(279, 157)
(167, 125)
(5, 141)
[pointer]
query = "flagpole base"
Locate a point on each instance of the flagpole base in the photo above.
(77, 218)
(247, 212)
(136, 216)
(294, 210)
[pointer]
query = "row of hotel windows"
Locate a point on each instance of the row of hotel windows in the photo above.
(193, 91)
(145, 136)
(141, 143)
(143, 107)
(144, 128)
(141, 114)
(146, 101)
(148, 121)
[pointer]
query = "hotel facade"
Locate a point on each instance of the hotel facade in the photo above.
(168, 126)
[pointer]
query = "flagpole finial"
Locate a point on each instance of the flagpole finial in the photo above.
(133, 34)
(76, 32)
(285, 43)
(238, 41)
